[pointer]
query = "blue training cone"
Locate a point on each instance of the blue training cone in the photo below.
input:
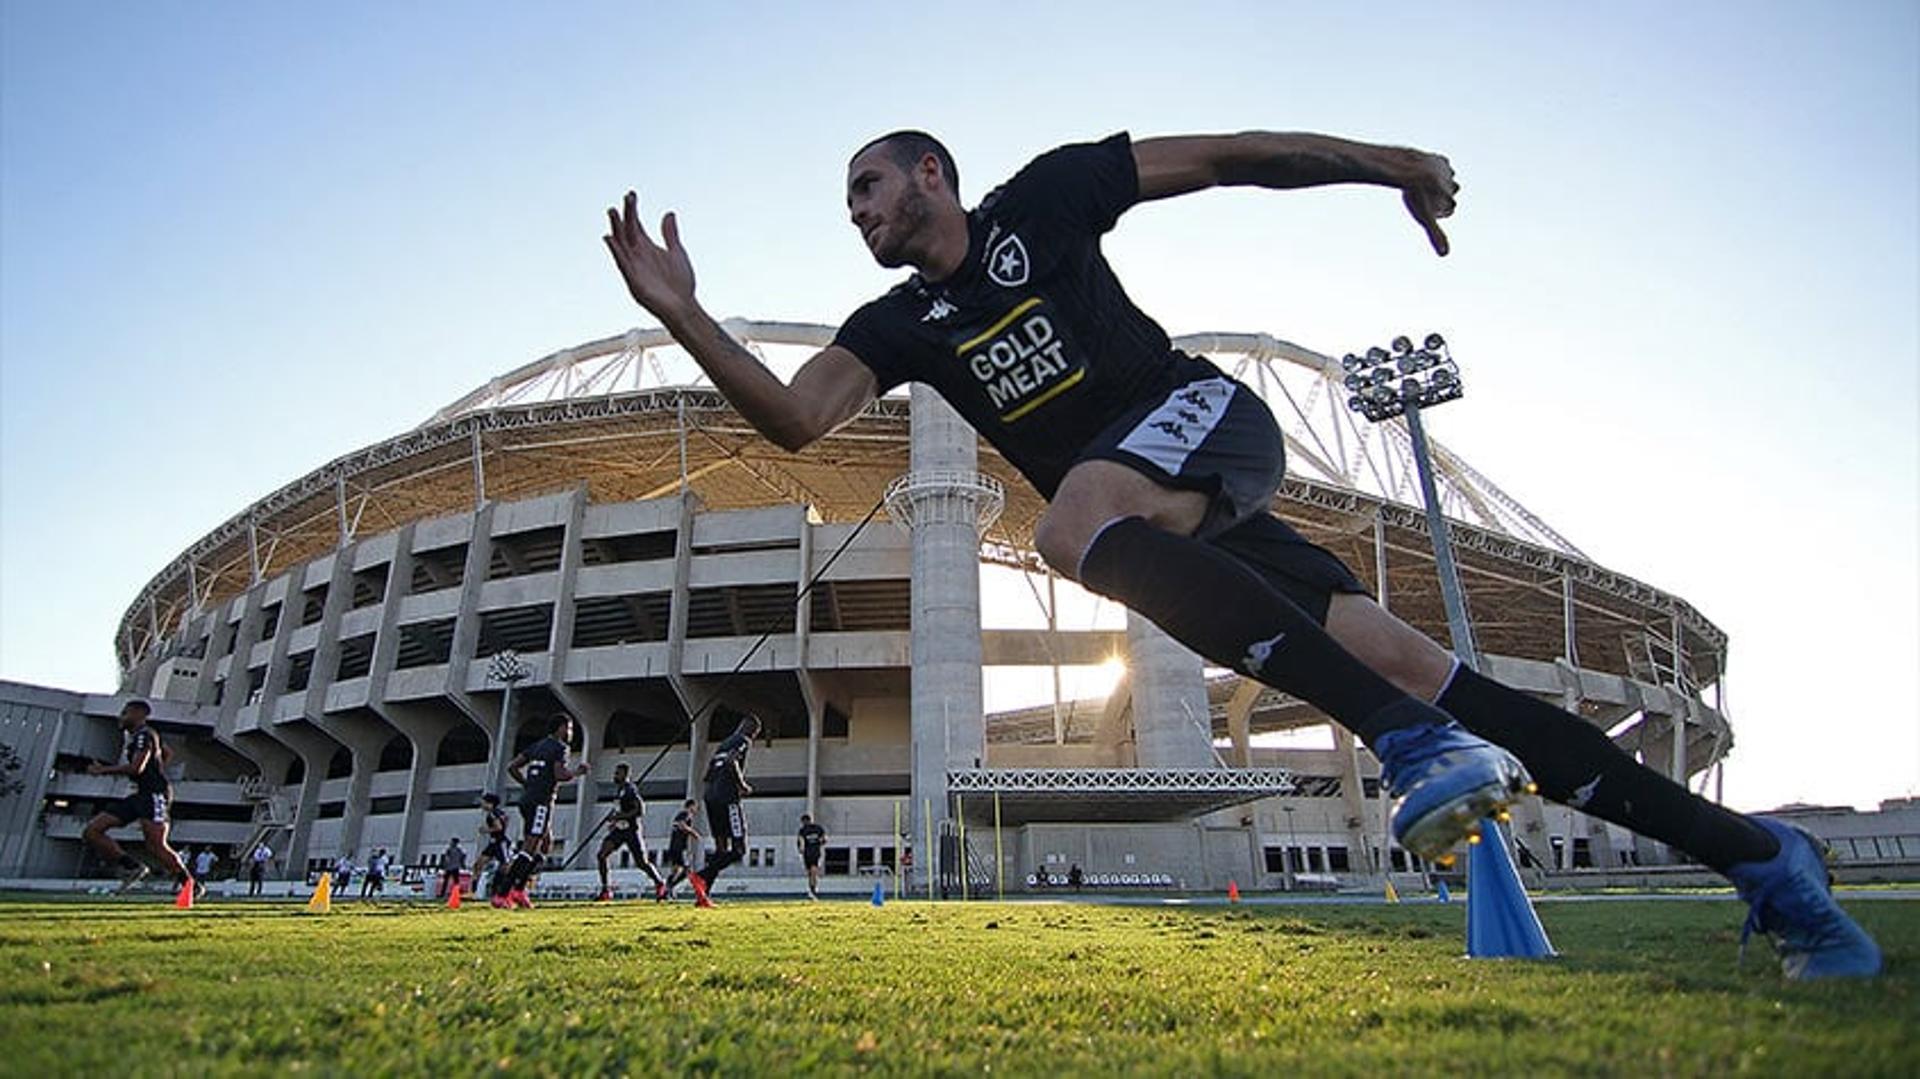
(1501, 923)
(879, 894)
(1440, 891)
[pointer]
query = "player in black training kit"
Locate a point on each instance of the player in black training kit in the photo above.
(1160, 473)
(624, 829)
(496, 849)
(726, 784)
(812, 841)
(684, 838)
(144, 759)
(539, 770)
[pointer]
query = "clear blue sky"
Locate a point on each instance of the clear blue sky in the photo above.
(237, 241)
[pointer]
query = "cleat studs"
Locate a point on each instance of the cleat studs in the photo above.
(1532, 788)
(1503, 817)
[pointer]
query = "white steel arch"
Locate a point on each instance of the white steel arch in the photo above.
(1326, 441)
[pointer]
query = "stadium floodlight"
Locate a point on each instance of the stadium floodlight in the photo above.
(1401, 382)
(507, 668)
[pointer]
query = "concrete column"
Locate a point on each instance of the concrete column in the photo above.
(695, 699)
(426, 741)
(949, 729)
(816, 702)
(1171, 728)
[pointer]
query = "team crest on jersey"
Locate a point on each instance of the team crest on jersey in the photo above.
(1007, 262)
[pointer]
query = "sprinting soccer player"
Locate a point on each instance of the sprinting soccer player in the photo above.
(1160, 473)
(625, 830)
(726, 785)
(812, 841)
(495, 846)
(144, 760)
(684, 837)
(539, 770)
(375, 881)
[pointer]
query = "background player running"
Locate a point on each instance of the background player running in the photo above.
(626, 829)
(539, 770)
(812, 841)
(726, 785)
(684, 839)
(1160, 473)
(144, 758)
(495, 846)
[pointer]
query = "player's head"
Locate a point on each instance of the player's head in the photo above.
(491, 800)
(620, 772)
(562, 728)
(806, 818)
(688, 805)
(134, 713)
(749, 727)
(896, 185)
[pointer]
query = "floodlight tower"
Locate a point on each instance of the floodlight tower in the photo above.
(507, 668)
(1384, 385)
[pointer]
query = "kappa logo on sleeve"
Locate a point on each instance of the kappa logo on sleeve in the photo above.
(1007, 262)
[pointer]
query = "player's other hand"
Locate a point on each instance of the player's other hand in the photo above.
(1428, 189)
(95, 768)
(659, 277)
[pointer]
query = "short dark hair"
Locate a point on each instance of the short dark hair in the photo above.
(490, 797)
(906, 147)
(806, 816)
(140, 706)
(559, 718)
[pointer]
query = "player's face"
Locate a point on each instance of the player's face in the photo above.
(887, 206)
(131, 717)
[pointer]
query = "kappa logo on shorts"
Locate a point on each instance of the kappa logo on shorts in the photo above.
(1007, 262)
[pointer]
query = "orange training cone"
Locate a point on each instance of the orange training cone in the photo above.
(453, 897)
(1233, 892)
(184, 900)
(322, 899)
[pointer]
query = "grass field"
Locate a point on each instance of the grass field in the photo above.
(771, 988)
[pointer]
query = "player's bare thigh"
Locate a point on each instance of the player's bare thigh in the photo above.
(1401, 654)
(1095, 492)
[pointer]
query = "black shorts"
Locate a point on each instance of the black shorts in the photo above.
(624, 837)
(1214, 436)
(498, 850)
(139, 807)
(726, 819)
(1217, 437)
(677, 855)
(536, 818)
(810, 860)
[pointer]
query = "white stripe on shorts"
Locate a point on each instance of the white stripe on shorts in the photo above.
(1169, 434)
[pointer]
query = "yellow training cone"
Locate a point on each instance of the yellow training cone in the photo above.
(322, 901)
(1392, 895)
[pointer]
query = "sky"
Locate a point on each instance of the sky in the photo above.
(239, 240)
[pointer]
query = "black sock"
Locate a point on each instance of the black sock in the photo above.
(1576, 764)
(1213, 603)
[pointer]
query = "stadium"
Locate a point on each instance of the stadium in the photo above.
(347, 663)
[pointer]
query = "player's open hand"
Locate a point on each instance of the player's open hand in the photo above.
(660, 278)
(1428, 192)
(95, 768)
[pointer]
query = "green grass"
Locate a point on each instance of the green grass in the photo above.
(769, 988)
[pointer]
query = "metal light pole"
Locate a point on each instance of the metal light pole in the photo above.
(506, 667)
(1385, 385)
(1293, 849)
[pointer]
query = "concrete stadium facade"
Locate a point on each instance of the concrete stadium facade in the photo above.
(322, 659)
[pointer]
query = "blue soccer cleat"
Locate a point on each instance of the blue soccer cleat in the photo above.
(1790, 901)
(1445, 780)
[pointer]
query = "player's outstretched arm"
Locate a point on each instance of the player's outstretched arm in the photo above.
(830, 389)
(1184, 163)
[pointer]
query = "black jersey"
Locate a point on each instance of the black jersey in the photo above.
(151, 779)
(630, 807)
(812, 838)
(496, 823)
(1032, 340)
(682, 830)
(543, 762)
(724, 768)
